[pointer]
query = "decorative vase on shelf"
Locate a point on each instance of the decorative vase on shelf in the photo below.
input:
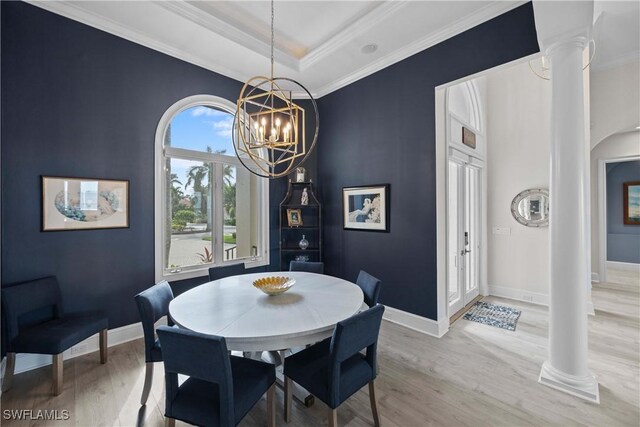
(304, 243)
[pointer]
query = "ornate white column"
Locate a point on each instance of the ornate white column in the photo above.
(569, 227)
(563, 33)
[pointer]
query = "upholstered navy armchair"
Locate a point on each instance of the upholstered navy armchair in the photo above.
(221, 389)
(36, 323)
(334, 369)
(216, 273)
(370, 288)
(309, 267)
(152, 304)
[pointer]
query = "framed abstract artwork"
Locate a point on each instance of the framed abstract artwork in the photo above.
(84, 203)
(366, 208)
(631, 200)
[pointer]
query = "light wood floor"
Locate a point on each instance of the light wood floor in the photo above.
(476, 375)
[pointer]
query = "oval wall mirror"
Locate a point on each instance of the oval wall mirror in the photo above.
(531, 207)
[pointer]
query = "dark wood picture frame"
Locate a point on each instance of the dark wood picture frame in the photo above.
(383, 189)
(45, 226)
(625, 200)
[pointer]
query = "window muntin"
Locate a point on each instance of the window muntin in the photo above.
(215, 210)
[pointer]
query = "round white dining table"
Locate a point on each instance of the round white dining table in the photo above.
(250, 320)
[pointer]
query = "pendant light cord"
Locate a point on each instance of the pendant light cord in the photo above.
(272, 36)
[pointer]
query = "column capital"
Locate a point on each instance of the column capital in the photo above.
(578, 42)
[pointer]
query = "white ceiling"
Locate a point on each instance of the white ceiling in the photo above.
(616, 32)
(318, 43)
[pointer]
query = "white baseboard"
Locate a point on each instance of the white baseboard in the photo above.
(417, 323)
(27, 362)
(519, 295)
(531, 297)
(626, 266)
(595, 278)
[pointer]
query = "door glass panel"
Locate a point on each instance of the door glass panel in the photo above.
(472, 213)
(453, 225)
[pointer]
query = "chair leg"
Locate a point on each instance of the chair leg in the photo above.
(333, 417)
(169, 422)
(8, 372)
(288, 397)
(103, 346)
(374, 406)
(271, 406)
(148, 379)
(57, 373)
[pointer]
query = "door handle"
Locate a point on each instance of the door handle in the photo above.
(464, 252)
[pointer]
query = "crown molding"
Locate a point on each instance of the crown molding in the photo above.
(71, 10)
(360, 26)
(228, 31)
(488, 12)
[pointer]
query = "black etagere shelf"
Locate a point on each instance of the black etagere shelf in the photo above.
(311, 228)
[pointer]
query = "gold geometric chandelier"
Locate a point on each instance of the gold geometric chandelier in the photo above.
(269, 131)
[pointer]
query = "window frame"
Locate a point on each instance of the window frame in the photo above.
(161, 153)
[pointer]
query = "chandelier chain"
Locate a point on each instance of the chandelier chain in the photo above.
(272, 36)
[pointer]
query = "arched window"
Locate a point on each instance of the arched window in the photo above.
(210, 210)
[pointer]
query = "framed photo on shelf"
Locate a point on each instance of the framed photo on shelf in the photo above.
(366, 208)
(84, 203)
(631, 200)
(294, 217)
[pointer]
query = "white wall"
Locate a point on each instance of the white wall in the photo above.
(615, 111)
(518, 132)
(615, 100)
(624, 144)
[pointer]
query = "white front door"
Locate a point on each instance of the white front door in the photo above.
(463, 229)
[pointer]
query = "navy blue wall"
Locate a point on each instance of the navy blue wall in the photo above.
(381, 129)
(623, 241)
(80, 102)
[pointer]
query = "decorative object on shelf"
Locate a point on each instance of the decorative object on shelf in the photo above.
(274, 285)
(541, 66)
(468, 138)
(302, 258)
(531, 207)
(301, 174)
(84, 203)
(304, 243)
(269, 129)
(295, 217)
(366, 208)
(304, 200)
(631, 200)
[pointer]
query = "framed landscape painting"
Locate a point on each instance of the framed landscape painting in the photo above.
(631, 200)
(84, 203)
(366, 208)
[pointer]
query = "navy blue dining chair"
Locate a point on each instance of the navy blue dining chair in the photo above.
(221, 389)
(216, 273)
(370, 288)
(36, 323)
(334, 369)
(309, 267)
(153, 304)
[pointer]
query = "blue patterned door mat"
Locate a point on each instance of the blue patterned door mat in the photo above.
(496, 315)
